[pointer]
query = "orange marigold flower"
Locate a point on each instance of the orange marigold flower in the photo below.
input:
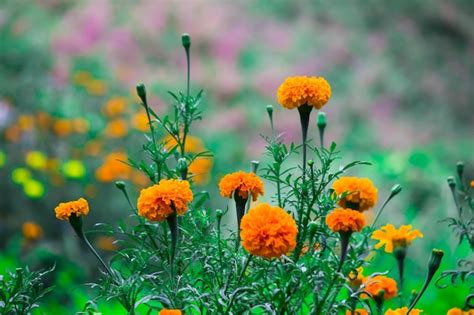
(403, 311)
(62, 127)
(169, 312)
(381, 285)
(193, 144)
(140, 121)
(361, 193)
(359, 311)
(31, 231)
(115, 106)
(116, 128)
(356, 278)
(200, 169)
(113, 168)
(78, 207)
(80, 125)
(391, 238)
(345, 220)
(458, 311)
(268, 231)
(156, 203)
(297, 91)
(472, 183)
(244, 183)
(106, 243)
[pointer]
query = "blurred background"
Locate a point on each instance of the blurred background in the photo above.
(402, 77)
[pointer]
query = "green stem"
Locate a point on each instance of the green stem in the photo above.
(173, 225)
(242, 272)
(304, 112)
(240, 204)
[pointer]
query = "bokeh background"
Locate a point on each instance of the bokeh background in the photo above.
(402, 76)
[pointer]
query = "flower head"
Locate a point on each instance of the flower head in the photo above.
(391, 237)
(116, 128)
(458, 311)
(381, 286)
(403, 311)
(297, 91)
(78, 207)
(345, 220)
(200, 168)
(106, 243)
(115, 106)
(268, 231)
(31, 231)
(472, 183)
(169, 312)
(359, 311)
(113, 168)
(245, 184)
(159, 201)
(74, 169)
(361, 193)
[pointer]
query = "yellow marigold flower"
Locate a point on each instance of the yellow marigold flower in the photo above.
(345, 220)
(193, 144)
(36, 160)
(20, 175)
(33, 188)
(3, 159)
(62, 127)
(115, 106)
(391, 238)
(200, 169)
(96, 87)
(116, 128)
(403, 311)
(78, 207)
(458, 311)
(74, 169)
(31, 231)
(361, 193)
(140, 121)
(245, 184)
(170, 312)
(156, 202)
(297, 91)
(106, 243)
(356, 278)
(113, 168)
(359, 311)
(379, 285)
(268, 231)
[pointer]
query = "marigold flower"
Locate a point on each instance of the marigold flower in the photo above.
(113, 168)
(193, 144)
(140, 121)
(356, 278)
(200, 168)
(245, 184)
(297, 91)
(403, 311)
(472, 183)
(78, 207)
(345, 220)
(170, 312)
(116, 128)
(359, 311)
(268, 231)
(106, 243)
(391, 238)
(381, 285)
(36, 160)
(31, 231)
(361, 193)
(156, 202)
(115, 106)
(458, 311)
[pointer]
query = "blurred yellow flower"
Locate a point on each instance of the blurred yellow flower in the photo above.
(3, 159)
(20, 175)
(33, 188)
(36, 160)
(140, 121)
(391, 238)
(74, 169)
(31, 231)
(116, 128)
(200, 169)
(26, 122)
(115, 106)
(96, 87)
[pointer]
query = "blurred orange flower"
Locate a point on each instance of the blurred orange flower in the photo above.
(78, 207)
(200, 169)
(115, 106)
(140, 121)
(169, 312)
(106, 243)
(62, 127)
(345, 220)
(359, 311)
(31, 231)
(297, 91)
(96, 87)
(361, 193)
(116, 128)
(403, 311)
(391, 238)
(113, 168)
(26, 122)
(245, 184)
(458, 311)
(192, 145)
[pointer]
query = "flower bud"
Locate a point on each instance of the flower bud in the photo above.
(120, 185)
(186, 40)
(182, 165)
(460, 169)
(310, 163)
(255, 165)
(270, 110)
(141, 91)
(219, 213)
(396, 189)
(451, 182)
(435, 260)
(322, 122)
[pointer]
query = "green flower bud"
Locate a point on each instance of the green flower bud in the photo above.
(310, 163)
(322, 122)
(141, 91)
(186, 40)
(396, 189)
(255, 165)
(270, 110)
(451, 182)
(182, 165)
(219, 213)
(460, 169)
(435, 260)
(120, 185)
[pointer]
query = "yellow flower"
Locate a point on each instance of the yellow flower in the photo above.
(3, 159)
(33, 188)
(26, 122)
(169, 312)
(78, 207)
(391, 238)
(345, 220)
(116, 128)
(115, 106)
(379, 286)
(297, 91)
(458, 311)
(200, 169)
(74, 169)
(140, 121)
(268, 231)
(361, 193)
(36, 160)
(193, 144)
(31, 231)
(359, 311)
(20, 175)
(403, 311)
(245, 184)
(159, 201)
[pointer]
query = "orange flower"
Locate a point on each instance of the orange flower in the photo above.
(303, 90)
(359, 311)
(26, 122)
(381, 285)
(268, 231)
(12, 133)
(113, 168)
(78, 207)
(106, 243)
(458, 311)
(80, 125)
(115, 106)
(391, 238)
(244, 183)
(31, 231)
(116, 128)
(403, 311)
(62, 127)
(156, 203)
(140, 121)
(356, 278)
(200, 169)
(472, 183)
(361, 193)
(345, 220)
(193, 144)
(169, 312)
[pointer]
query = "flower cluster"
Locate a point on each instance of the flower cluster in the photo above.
(345, 220)
(244, 184)
(360, 193)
